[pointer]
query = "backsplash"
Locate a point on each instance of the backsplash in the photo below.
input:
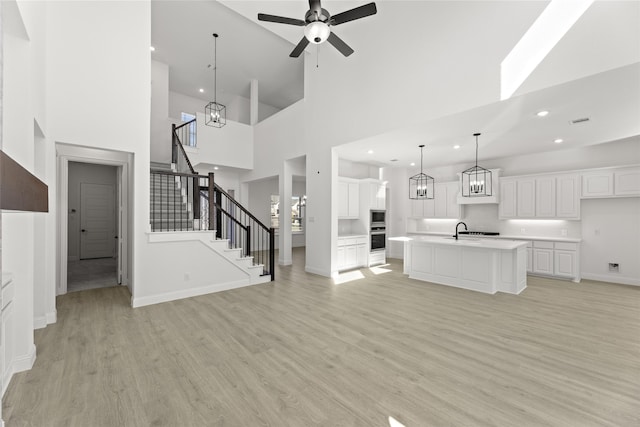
(485, 218)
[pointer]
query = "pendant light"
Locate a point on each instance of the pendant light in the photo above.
(421, 185)
(215, 114)
(476, 181)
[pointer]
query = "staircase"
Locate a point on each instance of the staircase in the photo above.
(184, 201)
(170, 209)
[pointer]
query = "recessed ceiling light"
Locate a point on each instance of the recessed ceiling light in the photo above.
(215, 168)
(413, 164)
(394, 160)
(370, 152)
(201, 90)
(542, 113)
(558, 141)
(456, 147)
(153, 49)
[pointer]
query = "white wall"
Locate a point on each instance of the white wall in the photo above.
(239, 110)
(611, 233)
(357, 170)
(230, 145)
(93, 100)
(91, 174)
(160, 122)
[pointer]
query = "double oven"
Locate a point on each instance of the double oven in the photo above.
(377, 231)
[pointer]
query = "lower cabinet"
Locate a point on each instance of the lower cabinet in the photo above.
(556, 259)
(352, 252)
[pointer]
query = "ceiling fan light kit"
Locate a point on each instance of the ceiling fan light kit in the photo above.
(317, 25)
(477, 181)
(215, 115)
(421, 185)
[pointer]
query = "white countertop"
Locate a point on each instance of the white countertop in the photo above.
(503, 236)
(471, 242)
(350, 236)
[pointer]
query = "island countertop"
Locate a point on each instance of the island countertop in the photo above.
(464, 241)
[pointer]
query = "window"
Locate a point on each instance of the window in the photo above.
(191, 135)
(298, 204)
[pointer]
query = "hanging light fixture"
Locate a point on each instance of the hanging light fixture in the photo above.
(421, 185)
(476, 181)
(215, 114)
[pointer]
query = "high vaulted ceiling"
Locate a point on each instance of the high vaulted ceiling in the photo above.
(589, 73)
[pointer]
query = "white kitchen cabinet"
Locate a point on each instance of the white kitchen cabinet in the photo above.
(422, 208)
(445, 200)
(348, 200)
(529, 257)
(627, 182)
(568, 196)
(454, 210)
(564, 263)
(597, 184)
(377, 196)
(545, 197)
(526, 198)
(508, 203)
(543, 257)
(440, 200)
(352, 252)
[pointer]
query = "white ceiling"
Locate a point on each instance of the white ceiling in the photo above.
(181, 32)
(587, 74)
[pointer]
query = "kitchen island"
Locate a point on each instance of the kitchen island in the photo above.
(483, 265)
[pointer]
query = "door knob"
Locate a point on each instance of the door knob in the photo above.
(83, 230)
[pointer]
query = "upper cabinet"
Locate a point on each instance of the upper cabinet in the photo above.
(377, 195)
(443, 205)
(616, 182)
(348, 199)
(544, 196)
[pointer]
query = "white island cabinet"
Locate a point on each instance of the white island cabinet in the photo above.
(482, 265)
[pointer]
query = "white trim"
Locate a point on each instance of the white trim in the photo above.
(39, 322)
(188, 293)
(18, 364)
(52, 317)
(317, 271)
(622, 280)
(179, 236)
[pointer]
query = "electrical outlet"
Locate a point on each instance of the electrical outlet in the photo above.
(614, 267)
(187, 277)
(563, 232)
(523, 230)
(596, 232)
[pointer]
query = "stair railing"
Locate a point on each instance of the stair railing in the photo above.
(214, 209)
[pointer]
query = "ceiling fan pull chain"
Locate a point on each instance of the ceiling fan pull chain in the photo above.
(317, 55)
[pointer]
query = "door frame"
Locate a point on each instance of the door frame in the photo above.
(123, 161)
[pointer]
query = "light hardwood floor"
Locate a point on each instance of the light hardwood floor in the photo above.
(302, 352)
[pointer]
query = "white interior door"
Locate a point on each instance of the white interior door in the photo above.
(97, 221)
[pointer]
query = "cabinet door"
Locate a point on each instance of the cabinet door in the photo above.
(526, 198)
(597, 184)
(429, 208)
(627, 182)
(508, 199)
(342, 260)
(354, 200)
(564, 263)
(351, 256)
(417, 208)
(453, 208)
(381, 196)
(343, 199)
(440, 200)
(568, 196)
(529, 260)
(361, 254)
(543, 261)
(545, 198)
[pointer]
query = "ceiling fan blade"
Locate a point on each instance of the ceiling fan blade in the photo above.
(299, 48)
(355, 13)
(339, 44)
(281, 20)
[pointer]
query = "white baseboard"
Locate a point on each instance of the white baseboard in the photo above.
(188, 293)
(19, 364)
(612, 279)
(317, 271)
(52, 317)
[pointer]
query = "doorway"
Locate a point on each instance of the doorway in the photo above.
(93, 195)
(92, 232)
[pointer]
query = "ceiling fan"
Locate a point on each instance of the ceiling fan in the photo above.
(317, 23)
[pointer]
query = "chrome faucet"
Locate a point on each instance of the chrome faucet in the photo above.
(458, 224)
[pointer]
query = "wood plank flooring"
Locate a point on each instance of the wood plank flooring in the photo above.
(302, 351)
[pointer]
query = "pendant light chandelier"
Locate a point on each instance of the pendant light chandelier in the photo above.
(476, 181)
(421, 185)
(215, 114)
